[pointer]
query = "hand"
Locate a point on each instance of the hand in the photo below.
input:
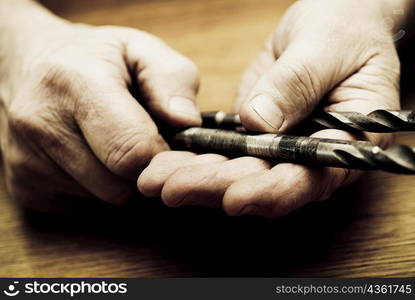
(70, 124)
(333, 53)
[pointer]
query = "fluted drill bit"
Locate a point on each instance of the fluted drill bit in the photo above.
(298, 149)
(376, 121)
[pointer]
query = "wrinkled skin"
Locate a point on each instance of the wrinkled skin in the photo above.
(333, 53)
(69, 124)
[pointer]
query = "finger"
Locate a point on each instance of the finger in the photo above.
(153, 178)
(205, 184)
(286, 187)
(119, 131)
(169, 80)
(294, 85)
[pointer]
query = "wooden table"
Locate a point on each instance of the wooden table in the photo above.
(364, 230)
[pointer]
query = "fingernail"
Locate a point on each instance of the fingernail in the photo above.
(184, 106)
(249, 210)
(266, 109)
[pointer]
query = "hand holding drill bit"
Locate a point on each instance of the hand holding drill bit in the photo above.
(311, 151)
(296, 72)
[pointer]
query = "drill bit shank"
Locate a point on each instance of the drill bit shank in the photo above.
(297, 149)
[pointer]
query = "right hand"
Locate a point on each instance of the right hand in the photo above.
(314, 58)
(70, 126)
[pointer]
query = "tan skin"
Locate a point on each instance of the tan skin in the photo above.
(69, 124)
(317, 49)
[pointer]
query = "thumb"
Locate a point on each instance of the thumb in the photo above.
(294, 84)
(167, 80)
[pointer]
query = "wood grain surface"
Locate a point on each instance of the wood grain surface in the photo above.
(367, 229)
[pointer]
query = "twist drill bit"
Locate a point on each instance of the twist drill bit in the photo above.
(376, 121)
(298, 149)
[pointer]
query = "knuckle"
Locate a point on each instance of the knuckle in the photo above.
(302, 84)
(188, 66)
(147, 184)
(170, 197)
(234, 200)
(185, 68)
(23, 122)
(175, 188)
(189, 187)
(130, 152)
(161, 167)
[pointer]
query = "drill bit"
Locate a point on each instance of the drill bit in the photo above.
(299, 149)
(221, 119)
(376, 121)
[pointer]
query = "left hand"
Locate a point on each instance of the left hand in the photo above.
(69, 125)
(318, 50)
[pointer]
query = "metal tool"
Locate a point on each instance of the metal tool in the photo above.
(376, 121)
(298, 149)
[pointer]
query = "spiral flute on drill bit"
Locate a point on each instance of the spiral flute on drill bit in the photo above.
(376, 121)
(298, 149)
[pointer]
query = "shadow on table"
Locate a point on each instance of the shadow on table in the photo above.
(206, 242)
